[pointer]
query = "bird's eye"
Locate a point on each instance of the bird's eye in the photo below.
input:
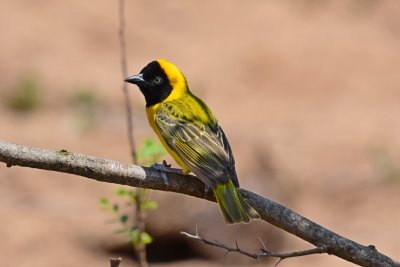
(157, 80)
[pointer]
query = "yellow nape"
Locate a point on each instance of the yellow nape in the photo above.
(176, 79)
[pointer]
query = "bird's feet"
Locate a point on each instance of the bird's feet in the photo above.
(164, 169)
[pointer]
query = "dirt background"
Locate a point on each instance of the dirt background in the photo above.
(307, 91)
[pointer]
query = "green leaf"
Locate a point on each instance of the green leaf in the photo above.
(149, 205)
(123, 219)
(120, 191)
(133, 235)
(150, 151)
(104, 203)
(145, 238)
(132, 195)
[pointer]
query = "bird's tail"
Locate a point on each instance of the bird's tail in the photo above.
(233, 207)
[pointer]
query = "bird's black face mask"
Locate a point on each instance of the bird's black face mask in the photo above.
(152, 82)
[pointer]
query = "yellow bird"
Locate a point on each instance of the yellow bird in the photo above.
(191, 134)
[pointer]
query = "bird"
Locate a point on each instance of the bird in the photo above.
(192, 135)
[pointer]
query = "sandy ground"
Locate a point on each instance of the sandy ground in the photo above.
(307, 92)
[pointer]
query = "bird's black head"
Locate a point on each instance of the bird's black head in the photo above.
(153, 82)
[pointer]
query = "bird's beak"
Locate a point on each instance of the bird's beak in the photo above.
(135, 79)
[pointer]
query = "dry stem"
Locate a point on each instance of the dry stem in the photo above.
(139, 214)
(264, 252)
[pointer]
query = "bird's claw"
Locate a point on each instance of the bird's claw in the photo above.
(166, 164)
(164, 169)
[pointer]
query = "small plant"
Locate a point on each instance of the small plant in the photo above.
(87, 106)
(138, 199)
(385, 165)
(25, 96)
(127, 227)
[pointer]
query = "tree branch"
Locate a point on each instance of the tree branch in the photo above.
(114, 172)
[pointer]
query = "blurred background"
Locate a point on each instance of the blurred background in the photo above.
(307, 92)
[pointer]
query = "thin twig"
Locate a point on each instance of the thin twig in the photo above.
(264, 251)
(140, 222)
(115, 262)
(127, 174)
(124, 70)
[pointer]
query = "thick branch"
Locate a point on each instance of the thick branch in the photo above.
(132, 175)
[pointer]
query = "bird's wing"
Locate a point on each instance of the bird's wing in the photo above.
(202, 146)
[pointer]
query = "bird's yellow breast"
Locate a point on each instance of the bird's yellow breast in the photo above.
(151, 113)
